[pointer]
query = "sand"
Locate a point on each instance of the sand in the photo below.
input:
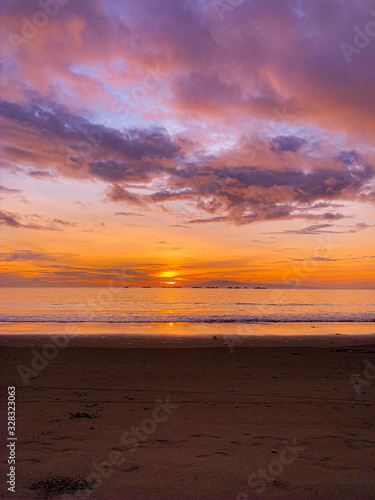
(191, 419)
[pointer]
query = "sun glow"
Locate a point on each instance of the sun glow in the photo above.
(171, 282)
(168, 274)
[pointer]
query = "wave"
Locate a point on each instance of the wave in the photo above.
(311, 318)
(281, 304)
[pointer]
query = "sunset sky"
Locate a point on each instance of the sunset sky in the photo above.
(187, 140)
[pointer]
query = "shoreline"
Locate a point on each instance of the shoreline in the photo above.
(242, 333)
(179, 341)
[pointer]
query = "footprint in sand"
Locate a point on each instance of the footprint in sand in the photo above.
(215, 453)
(31, 460)
(166, 441)
(134, 468)
(205, 435)
(65, 450)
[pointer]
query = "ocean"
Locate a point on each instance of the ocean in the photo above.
(245, 311)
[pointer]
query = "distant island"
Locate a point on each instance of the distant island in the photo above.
(229, 284)
(239, 284)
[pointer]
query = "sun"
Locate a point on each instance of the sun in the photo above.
(168, 274)
(170, 282)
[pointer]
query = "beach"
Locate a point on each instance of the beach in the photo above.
(187, 265)
(117, 417)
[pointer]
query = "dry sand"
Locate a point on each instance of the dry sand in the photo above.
(285, 409)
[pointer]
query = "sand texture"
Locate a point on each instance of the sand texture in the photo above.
(195, 423)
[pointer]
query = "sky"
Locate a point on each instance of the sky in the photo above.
(169, 142)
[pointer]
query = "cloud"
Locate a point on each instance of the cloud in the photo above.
(18, 193)
(6, 190)
(82, 135)
(16, 280)
(29, 255)
(39, 174)
(286, 143)
(117, 193)
(314, 229)
(263, 242)
(360, 226)
(205, 221)
(129, 214)
(178, 99)
(317, 259)
(115, 171)
(323, 228)
(33, 221)
(260, 56)
(280, 189)
(247, 194)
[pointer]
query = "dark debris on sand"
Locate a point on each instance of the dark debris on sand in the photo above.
(355, 351)
(57, 485)
(81, 415)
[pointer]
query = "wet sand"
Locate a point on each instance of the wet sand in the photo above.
(192, 418)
